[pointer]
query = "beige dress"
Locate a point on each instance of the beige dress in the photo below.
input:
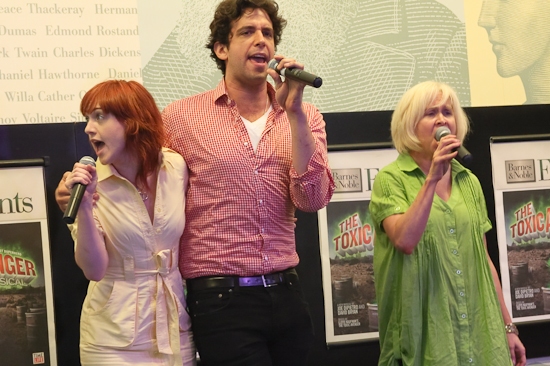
(136, 314)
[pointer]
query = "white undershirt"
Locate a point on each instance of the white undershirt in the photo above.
(256, 128)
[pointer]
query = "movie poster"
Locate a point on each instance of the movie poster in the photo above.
(521, 178)
(26, 302)
(347, 244)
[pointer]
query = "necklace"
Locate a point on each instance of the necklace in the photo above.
(143, 195)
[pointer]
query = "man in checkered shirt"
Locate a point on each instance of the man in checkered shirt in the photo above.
(255, 153)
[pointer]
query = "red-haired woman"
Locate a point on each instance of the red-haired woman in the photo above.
(127, 236)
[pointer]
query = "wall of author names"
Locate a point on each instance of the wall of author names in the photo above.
(52, 52)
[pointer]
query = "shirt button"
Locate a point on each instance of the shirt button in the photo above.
(447, 211)
(452, 231)
(463, 316)
(461, 293)
(261, 202)
(470, 360)
(256, 172)
(246, 144)
(265, 258)
(458, 271)
(455, 251)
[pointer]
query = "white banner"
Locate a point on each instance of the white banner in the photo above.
(53, 51)
(521, 180)
(26, 300)
(347, 243)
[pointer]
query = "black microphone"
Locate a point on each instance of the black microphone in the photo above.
(76, 194)
(463, 154)
(297, 74)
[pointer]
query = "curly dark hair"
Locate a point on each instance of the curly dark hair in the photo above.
(229, 11)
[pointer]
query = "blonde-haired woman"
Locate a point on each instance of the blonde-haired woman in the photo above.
(439, 296)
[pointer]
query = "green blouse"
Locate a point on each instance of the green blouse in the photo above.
(437, 306)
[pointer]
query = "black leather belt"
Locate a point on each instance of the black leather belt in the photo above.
(268, 280)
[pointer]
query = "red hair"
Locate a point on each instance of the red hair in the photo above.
(133, 106)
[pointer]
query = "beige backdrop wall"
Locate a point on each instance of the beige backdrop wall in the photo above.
(51, 52)
(368, 52)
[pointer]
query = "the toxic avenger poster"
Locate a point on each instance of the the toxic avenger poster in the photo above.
(351, 253)
(527, 224)
(26, 306)
(347, 247)
(521, 177)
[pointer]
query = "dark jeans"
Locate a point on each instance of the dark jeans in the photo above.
(251, 326)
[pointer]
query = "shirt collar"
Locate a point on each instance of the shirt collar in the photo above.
(106, 171)
(220, 93)
(407, 164)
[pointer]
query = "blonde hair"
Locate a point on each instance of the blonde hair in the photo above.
(411, 108)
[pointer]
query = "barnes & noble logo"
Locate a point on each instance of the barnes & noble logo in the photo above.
(347, 180)
(520, 171)
(350, 180)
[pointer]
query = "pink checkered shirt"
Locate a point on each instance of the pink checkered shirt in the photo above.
(240, 203)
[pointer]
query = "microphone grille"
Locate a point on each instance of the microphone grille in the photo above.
(442, 131)
(273, 64)
(87, 160)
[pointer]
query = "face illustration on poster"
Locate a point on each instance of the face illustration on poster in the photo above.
(520, 38)
(370, 57)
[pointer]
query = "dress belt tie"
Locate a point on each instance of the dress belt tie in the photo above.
(167, 324)
(167, 312)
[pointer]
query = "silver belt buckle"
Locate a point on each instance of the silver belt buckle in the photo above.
(266, 284)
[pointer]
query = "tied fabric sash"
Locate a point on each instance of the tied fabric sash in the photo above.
(167, 312)
(167, 324)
